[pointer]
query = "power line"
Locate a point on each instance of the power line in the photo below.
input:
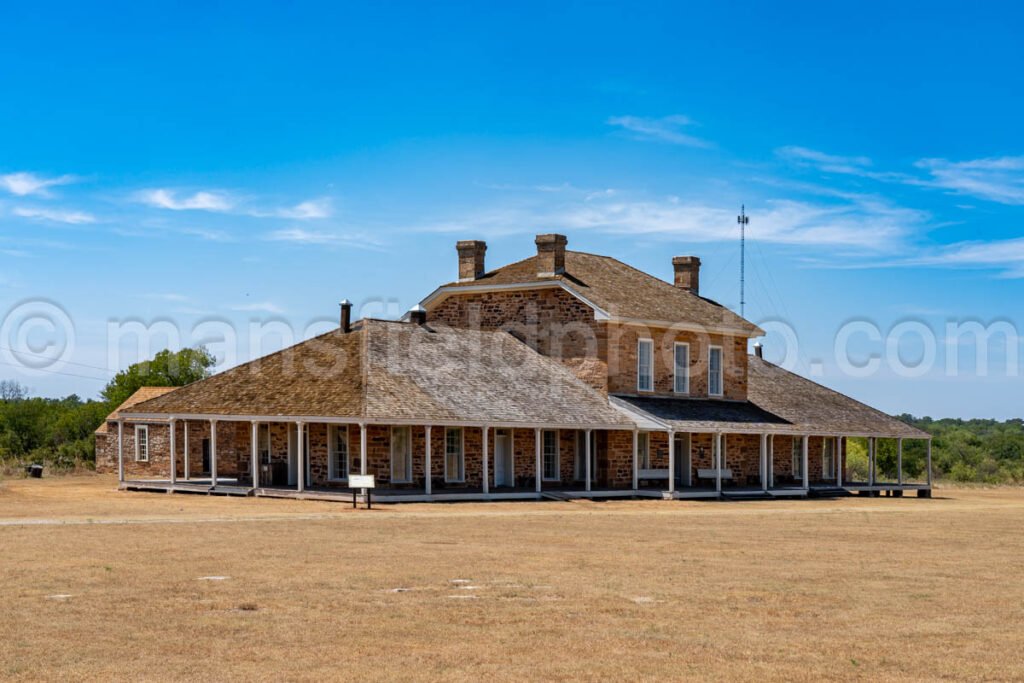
(54, 372)
(51, 358)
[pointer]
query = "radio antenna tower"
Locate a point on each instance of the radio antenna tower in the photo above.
(743, 219)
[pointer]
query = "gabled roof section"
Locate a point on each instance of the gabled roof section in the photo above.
(623, 292)
(141, 394)
(395, 372)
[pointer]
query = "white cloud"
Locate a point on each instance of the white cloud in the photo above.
(862, 222)
(55, 215)
(323, 238)
(307, 210)
(259, 307)
(200, 201)
(208, 235)
(826, 162)
(666, 129)
(1005, 255)
(23, 184)
(998, 179)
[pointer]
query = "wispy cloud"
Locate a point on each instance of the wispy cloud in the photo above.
(203, 200)
(324, 238)
(859, 166)
(999, 179)
(1004, 255)
(855, 221)
(167, 296)
(208, 234)
(665, 129)
(54, 215)
(259, 307)
(303, 211)
(24, 184)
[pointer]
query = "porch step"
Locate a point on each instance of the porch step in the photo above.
(552, 495)
(726, 495)
(830, 492)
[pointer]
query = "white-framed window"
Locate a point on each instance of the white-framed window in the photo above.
(549, 439)
(828, 459)
(263, 443)
(337, 447)
(401, 455)
(715, 371)
(798, 457)
(643, 451)
(681, 383)
(141, 443)
(454, 455)
(645, 365)
(723, 456)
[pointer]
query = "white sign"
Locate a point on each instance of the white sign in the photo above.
(360, 481)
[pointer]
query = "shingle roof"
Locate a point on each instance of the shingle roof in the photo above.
(620, 290)
(778, 401)
(384, 371)
(809, 404)
(140, 395)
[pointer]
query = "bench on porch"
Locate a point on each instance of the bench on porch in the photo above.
(652, 475)
(712, 473)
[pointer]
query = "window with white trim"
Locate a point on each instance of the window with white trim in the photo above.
(549, 452)
(645, 365)
(401, 455)
(798, 457)
(337, 464)
(828, 459)
(263, 443)
(141, 443)
(454, 455)
(681, 383)
(643, 451)
(715, 371)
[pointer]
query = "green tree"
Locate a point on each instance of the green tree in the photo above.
(166, 369)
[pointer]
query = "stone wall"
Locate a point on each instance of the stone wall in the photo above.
(559, 325)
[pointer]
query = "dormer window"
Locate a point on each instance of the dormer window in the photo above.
(715, 371)
(645, 365)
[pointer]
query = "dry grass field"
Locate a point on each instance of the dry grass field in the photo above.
(98, 584)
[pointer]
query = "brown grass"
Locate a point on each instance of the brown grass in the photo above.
(799, 590)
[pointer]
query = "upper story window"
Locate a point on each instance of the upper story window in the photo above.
(645, 365)
(682, 368)
(142, 443)
(715, 371)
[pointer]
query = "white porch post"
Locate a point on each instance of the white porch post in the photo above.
(839, 461)
(426, 458)
(586, 449)
(487, 476)
(213, 453)
(807, 475)
(120, 451)
(188, 467)
(771, 460)
(899, 461)
(362, 453)
(539, 465)
(174, 455)
(255, 454)
(718, 462)
(871, 460)
(300, 460)
(764, 462)
(636, 450)
(671, 461)
(929, 464)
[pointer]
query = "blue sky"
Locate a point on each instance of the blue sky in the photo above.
(253, 163)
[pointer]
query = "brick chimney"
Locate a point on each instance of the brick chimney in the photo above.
(471, 259)
(687, 273)
(551, 255)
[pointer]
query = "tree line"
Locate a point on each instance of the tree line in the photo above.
(59, 432)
